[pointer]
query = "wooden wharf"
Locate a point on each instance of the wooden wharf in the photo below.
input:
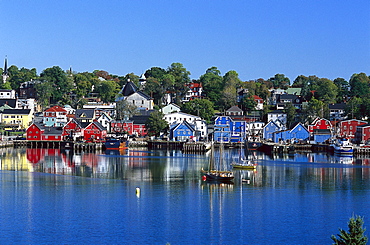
(78, 147)
(186, 147)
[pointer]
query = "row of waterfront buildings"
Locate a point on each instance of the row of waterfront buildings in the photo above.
(96, 120)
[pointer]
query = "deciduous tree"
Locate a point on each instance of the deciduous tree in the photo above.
(181, 76)
(156, 124)
(199, 107)
(58, 78)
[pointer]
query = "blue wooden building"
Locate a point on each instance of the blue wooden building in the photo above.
(183, 131)
(269, 129)
(228, 130)
(298, 132)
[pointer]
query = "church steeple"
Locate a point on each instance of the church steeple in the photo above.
(5, 74)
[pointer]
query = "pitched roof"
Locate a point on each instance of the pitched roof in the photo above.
(188, 125)
(255, 97)
(234, 108)
(139, 119)
(17, 111)
(337, 106)
(98, 125)
(56, 109)
(85, 113)
(128, 89)
(53, 130)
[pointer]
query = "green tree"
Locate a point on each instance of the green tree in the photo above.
(44, 91)
(343, 89)
(291, 113)
(231, 82)
(303, 82)
(315, 108)
(359, 84)
(58, 78)
(133, 78)
(353, 108)
(158, 87)
(326, 91)
(248, 103)
(199, 107)
(181, 76)
(107, 90)
(156, 124)
(280, 81)
(155, 72)
(263, 91)
(125, 110)
(355, 234)
(18, 76)
(212, 84)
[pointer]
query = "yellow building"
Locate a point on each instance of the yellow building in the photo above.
(16, 118)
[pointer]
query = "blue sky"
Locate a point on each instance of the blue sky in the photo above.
(258, 39)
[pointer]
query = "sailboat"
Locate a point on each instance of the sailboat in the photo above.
(217, 170)
(243, 163)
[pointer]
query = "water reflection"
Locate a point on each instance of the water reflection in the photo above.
(305, 170)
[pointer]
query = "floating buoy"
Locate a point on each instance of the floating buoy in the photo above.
(138, 191)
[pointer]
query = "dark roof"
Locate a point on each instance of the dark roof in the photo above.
(89, 113)
(17, 111)
(146, 112)
(322, 131)
(234, 108)
(190, 126)
(53, 130)
(98, 124)
(139, 119)
(9, 102)
(364, 125)
(276, 112)
(337, 106)
(144, 95)
(129, 89)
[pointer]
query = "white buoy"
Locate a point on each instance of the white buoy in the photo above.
(138, 191)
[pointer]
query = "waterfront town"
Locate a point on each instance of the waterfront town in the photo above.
(312, 111)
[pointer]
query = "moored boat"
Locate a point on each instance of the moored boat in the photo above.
(217, 170)
(244, 164)
(115, 144)
(343, 146)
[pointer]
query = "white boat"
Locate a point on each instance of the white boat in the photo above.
(343, 146)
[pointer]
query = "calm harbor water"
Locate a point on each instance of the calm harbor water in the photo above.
(54, 197)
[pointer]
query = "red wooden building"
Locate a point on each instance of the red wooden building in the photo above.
(72, 130)
(94, 132)
(122, 127)
(347, 128)
(34, 132)
(362, 134)
(320, 123)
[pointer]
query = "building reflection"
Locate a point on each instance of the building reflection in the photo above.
(304, 171)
